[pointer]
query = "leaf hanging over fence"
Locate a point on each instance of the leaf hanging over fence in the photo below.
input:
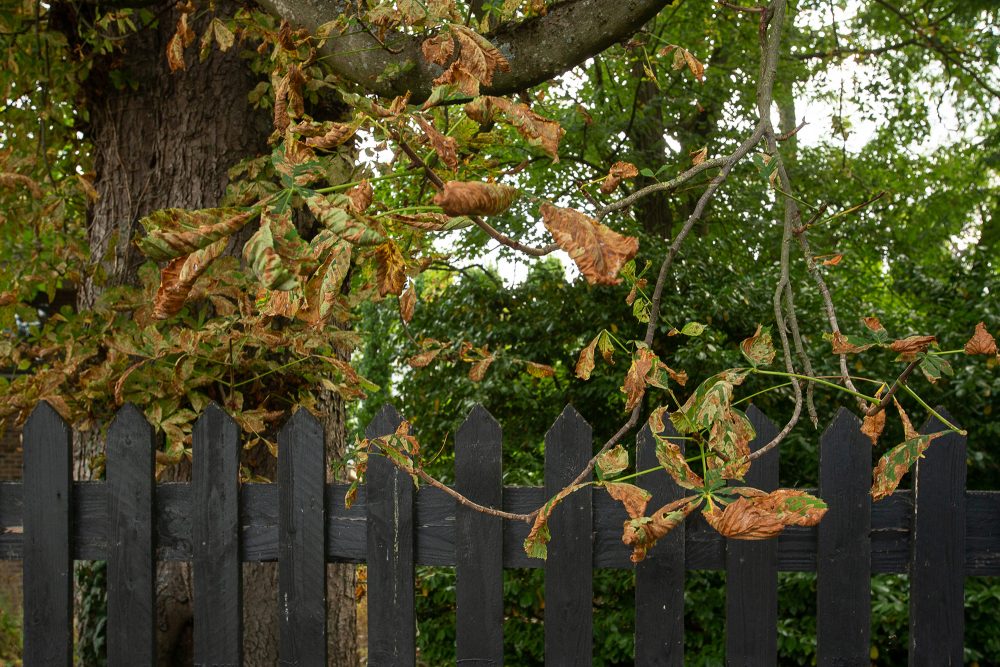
(539, 536)
(633, 498)
(612, 462)
(642, 533)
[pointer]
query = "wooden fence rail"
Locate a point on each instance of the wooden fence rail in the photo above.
(938, 533)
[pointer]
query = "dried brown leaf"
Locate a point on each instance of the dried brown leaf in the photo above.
(910, 346)
(439, 48)
(842, 345)
(833, 261)
(445, 147)
(407, 302)
(475, 198)
(632, 497)
(598, 251)
(178, 277)
(635, 379)
(539, 370)
(537, 130)
(743, 520)
(642, 533)
(981, 342)
(612, 462)
(873, 425)
(360, 196)
(699, 156)
(479, 368)
(585, 364)
(390, 269)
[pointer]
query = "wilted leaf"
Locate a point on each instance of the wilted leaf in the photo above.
(262, 254)
(909, 433)
(895, 463)
(910, 346)
(612, 461)
(288, 101)
(478, 55)
(390, 269)
(619, 171)
(475, 198)
(10, 180)
(694, 65)
(709, 403)
(324, 287)
(7, 298)
(585, 364)
(431, 350)
(632, 497)
(844, 345)
(670, 456)
(699, 156)
(729, 438)
(598, 251)
(792, 507)
(407, 302)
(178, 277)
(743, 520)
(981, 342)
(175, 232)
(439, 48)
(183, 37)
(540, 370)
(326, 135)
(445, 147)
(635, 380)
(539, 536)
(536, 130)
(759, 349)
(833, 260)
(336, 213)
(360, 196)
(641, 533)
(873, 425)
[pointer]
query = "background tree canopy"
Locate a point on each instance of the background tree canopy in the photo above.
(306, 203)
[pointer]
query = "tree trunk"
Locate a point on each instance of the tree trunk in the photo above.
(164, 139)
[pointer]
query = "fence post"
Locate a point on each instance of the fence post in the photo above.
(479, 541)
(659, 579)
(752, 571)
(302, 541)
(569, 583)
(843, 560)
(48, 560)
(937, 564)
(129, 471)
(391, 620)
(215, 533)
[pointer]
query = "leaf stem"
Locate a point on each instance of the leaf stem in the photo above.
(937, 415)
(810, 378)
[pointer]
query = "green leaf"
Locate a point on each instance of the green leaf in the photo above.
(647, 172)
(934, 366)
(759, 349)
(267, 263)
(693, 329)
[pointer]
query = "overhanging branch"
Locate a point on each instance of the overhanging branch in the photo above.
(537, 48)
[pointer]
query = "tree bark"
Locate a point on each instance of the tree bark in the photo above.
(160, 140)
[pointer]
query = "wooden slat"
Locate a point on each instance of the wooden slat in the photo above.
(752, 571)
(479, 542)
(568, 569)
(215, 532)
(843, 560)
(301, 538)
(48, 564)
(659, 579)
(937, 572)
(131, 550)
(391, 619)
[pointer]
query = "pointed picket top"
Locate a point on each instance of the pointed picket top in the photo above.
(384, 423)
(214, 412)
(130, 418)
(44, 415)
(478, 418)
(844, 421)
(568, 418)
(302, 419)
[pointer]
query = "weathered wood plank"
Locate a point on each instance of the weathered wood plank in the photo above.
(301, 540)
(569, 568)
(752, 571)
(659, 579)
(215, 533)
(937, 572)
(129, 471)
(843, 561)
(48, 562)
(479, 542)
(391, 619)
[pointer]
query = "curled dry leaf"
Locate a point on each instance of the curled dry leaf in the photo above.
(439, 48)
(585, 364)
(479, 368)
(407, 302)
(612, 461)
(432, 348)
(889, 471)
(729, 439)
(635, 380)
(475, 198)
(174, 232)
(642, 533)
(910, 346)
(833, 260)
(7, 298)
(981, 342)
(909, 433)
(792, 507)
(873, 425)
(539, 370)
(598, 251)
(445, 147)
(288, 101)
(536, 130)
(390, 269)
(631, 496)
(699, 156)
(360, 196)
(873, 324)
(332, 135)
(843, 345)
(183, 37)
(743, 520)
(178, 277)
(670, 456)
(619, 171)
(11, 180)
(478, 55)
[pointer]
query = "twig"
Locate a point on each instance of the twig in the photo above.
(896, 386)
(462, 500)
(672, 184)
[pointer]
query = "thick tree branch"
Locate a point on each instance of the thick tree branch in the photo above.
(538, 49)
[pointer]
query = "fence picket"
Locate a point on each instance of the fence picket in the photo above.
(752, 571)
(302, 541)
(659, 579)
(843, 560)
(391, 618)
(937, 566)
(569, 568)
(129, 471)
(48, 562)
(479, 541)
(218, 587)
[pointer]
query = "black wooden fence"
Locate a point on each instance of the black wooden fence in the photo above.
(938, 533)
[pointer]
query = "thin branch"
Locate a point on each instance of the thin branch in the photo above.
(670, 185)
(896, 386)
(462, 500)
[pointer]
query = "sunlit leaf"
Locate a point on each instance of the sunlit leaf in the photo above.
(598, 251)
